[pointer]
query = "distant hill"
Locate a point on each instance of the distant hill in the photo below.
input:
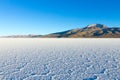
(90, 31)
(22, 36)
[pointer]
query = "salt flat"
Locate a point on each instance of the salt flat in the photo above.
(59, 59)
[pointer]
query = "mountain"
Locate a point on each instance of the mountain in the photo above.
(90, 31)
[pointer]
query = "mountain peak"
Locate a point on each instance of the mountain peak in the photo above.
(96, 26)
(90, 31)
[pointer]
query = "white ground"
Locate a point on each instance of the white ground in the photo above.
(59, 59)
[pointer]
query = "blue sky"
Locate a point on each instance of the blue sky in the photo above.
(48, 16)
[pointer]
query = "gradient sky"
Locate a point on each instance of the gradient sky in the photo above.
(48, 16)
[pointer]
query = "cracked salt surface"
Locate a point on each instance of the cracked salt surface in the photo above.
(59, 59)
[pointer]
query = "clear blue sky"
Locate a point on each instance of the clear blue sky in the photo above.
(48, 16)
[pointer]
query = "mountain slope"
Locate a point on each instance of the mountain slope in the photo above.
(91, 31)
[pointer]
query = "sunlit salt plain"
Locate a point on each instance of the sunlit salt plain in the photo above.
(59, 59)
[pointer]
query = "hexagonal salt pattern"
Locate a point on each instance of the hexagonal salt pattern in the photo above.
(59, 59)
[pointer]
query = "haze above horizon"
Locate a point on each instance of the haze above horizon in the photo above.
(48, 16)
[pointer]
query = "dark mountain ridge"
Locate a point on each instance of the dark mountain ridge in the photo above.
(90, 31)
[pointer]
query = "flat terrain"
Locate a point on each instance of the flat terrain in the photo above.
(59, 59)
